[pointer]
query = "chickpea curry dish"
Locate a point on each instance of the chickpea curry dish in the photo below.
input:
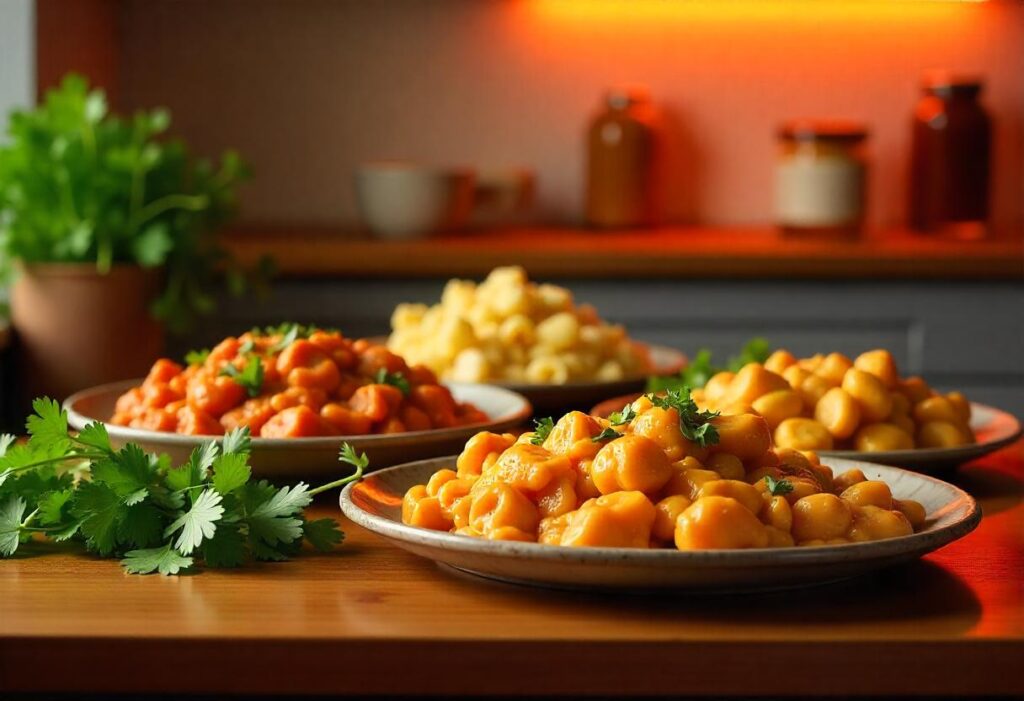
(660, 473)
(832, 402)
(292, 382)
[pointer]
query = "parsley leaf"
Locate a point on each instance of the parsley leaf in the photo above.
(542, 429)
(164, 560)
(197, 357)
(694, 424)
(197, 523)
(777, 487)
(606, 434)
(395, 379)
(250, 377)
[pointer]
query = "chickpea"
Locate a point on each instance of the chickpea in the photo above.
(820, 516)
(742, 492)
(913, 510)
(777, 406)
(719, 522)
(778, 538)
(750, 383)
(662, 427)
(942, 434)
(873, 523)
(528, 467)
(718, 386)
(744, 435)
(812, 389)
(803, 434)
(795, 376)
(779, 360)
(881, 364)
(869, 393)
(833, 368)
(727, 465)
(838, 412)
(813, 363)
(689, 482)
(619, 520)
(880, 437)
(779, 514)
(631, 463)
(574, 426)
(904, 422)
(848, 479)
(668, 510)
(962, 406)
(869, 493)
(900, 403)
(936, 409)
(502, 505)
(585, 487)
(916, 389)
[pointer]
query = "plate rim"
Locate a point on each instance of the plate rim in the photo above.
(78, 420)
(924, 541)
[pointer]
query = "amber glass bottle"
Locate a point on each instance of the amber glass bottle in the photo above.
(621, 152)
(950, 159)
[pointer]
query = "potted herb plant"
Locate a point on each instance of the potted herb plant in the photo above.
(108, 235)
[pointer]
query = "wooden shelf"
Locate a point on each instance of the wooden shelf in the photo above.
(665, 252)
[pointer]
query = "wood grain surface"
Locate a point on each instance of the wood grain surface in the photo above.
(371, 618)
(664, 253)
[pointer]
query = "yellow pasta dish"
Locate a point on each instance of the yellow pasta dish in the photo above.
(659, 473)
(513, 330)
(829, 402)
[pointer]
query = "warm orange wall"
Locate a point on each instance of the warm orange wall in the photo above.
(308, 89)
(79, 35)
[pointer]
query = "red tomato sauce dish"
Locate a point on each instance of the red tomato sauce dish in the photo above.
(292, 382)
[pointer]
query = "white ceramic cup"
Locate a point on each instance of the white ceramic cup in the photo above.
(407, 201)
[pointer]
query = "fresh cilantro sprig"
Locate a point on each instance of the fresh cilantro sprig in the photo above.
(153, 517)
(607, 434)
(777, 487)
(542, 429)
(289, 332)
(395, 379)
(197, 357)
(621, 418)
(249, 377)
(699, 370)
(694, 424)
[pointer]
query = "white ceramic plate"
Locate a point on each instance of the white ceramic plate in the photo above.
(992, 427)
(280, 457)
(376, 504)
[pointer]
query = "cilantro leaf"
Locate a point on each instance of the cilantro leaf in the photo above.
(164, 560)
(287, 501)
(141, 526)
(49, 424)
(192, 473)
(756, 350)
(777, 487)
(323, 533)
(290, 336)
(95, 435)
(395, 379)
(11, 513)
(6, 441)
(127, 472)
(197, 357)
(249, 377)
(237, 440)
(348, 455)
(694, 424)
(100, 510)
(274, 530)
(542, 429)
(230, 471)
(620, 418)
(607, 434)
(51, 506)
(197, 523)
(226, 548)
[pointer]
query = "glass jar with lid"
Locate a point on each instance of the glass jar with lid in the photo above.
(950, 158)
(821, 178)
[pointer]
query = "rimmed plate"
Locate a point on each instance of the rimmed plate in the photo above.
(376, 504)
(993, 428)
(280, 457)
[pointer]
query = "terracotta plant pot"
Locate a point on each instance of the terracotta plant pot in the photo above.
(77, 328)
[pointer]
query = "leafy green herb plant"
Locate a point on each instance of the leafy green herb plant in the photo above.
(694, 424)
(699, 370)
(78, 184)
(154, 516)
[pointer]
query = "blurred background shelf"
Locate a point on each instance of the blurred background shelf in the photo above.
(658, 253)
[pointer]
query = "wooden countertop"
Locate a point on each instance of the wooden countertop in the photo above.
(372, 619)
(666, 252)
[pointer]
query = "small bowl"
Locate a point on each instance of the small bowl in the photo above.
(408, 201)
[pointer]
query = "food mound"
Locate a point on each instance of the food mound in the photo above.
(830, 402)
(509, 329)
(292, 382)
(660, 473)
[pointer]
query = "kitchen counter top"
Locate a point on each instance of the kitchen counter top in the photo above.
(372, 619)
(655, 253)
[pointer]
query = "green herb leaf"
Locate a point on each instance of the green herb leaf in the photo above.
(285, 502)
(606, 435)
(289, 337)
(756, 350)
(11, 513)
(694, 424)
(542, 429)
(230, 471)
(141, 526)
(395, 379)
(100, 510)
(777, 487)
(197, 357)
(349, 455)
(323, 534)
(51, 506)
(226, 548)
(95, 436)
(197, 523)
(250, 377)
(164, 560)
(620, 418)
(49, 424)
(237, 440)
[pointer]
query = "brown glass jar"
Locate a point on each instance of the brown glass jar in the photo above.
(950, 159)
(820, 178)
(621, 151)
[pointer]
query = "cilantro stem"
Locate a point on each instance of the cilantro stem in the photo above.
(358, 475)
(28, 519)
(58, 459)
(192, 203)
